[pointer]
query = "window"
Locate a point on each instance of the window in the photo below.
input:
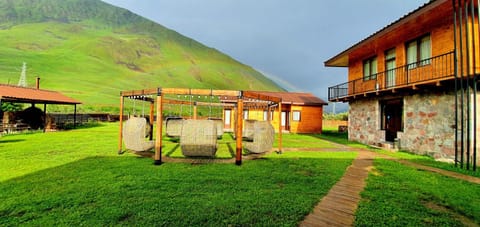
(370, 69)
(390, 67)
(296, 115)
(419, 52)
(265, 115)
(245, 114)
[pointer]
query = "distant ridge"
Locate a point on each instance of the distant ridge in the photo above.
(91, 50)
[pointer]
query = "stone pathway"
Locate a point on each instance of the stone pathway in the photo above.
(338, 207)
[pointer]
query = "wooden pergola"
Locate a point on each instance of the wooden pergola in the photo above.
(156, 97)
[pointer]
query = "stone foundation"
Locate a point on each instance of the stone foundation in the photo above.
(428, 124)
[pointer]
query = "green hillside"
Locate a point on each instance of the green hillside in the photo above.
(90, 51)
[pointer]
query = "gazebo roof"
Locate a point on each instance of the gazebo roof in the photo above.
(32, 95)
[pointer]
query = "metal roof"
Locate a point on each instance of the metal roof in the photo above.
(296, 98)
(341, 59)
(32, 95)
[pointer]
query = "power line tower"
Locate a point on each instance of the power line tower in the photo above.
(22, 82)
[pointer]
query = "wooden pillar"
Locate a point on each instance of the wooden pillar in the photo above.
(120, 139)
(268, 114)
(238, 131)
(152, 110)
(280, 127)
(45, 117)
(158, 134)
(75, 116)
(195, 111)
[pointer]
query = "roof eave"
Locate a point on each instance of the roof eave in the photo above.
(341, 59)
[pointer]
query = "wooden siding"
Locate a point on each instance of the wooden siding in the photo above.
(438, 23)
(310, 118)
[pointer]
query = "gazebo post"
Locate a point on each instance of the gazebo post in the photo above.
(45, 117)
(280, 126)
(121, 125)
(238, 131)
(75, 116)
(195, 110)
(268, 113)
(158, 136)
(152, 110)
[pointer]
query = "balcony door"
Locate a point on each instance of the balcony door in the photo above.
(390, 66)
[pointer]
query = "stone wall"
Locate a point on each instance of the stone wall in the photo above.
(364, 122)
(428, 124)
(429, 121)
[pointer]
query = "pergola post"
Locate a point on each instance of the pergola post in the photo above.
(45, 117)
(120, 139)
(238, 131)
(280, 127)
(75, 116)
(158, 134)
(152, 110)
(195, 111)
(268, 114)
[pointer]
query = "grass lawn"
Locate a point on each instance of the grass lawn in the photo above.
(397, 195)
(76, 178)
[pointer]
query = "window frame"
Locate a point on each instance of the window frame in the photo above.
(368, 63)
(246, 114)
(294, 118)
(420, 60)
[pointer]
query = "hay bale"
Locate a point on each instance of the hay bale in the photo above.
(263, 138)
(199, 138)
(134, 133)
(173, 126)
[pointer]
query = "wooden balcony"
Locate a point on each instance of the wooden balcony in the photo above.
(428, 71)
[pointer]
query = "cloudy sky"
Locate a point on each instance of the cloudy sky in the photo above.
(287, 40)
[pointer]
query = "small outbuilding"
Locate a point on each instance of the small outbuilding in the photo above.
(301, 112)
(32, 116)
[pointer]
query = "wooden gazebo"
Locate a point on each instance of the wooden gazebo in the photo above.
(157, 99)
(16, 94)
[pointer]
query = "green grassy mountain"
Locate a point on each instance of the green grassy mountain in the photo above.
(90, 50)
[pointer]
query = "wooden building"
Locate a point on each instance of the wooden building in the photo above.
(33, 96)
(301, 112)
(413, 84)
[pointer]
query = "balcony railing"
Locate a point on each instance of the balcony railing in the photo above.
(432, 69)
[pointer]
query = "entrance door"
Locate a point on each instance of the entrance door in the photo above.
(392, 118)
(390, 68)
(285, 121)
(227, 119)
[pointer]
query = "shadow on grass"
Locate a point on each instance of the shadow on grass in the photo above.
(104, 190)
(172, 150)
(231, 150)
(11, 140)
